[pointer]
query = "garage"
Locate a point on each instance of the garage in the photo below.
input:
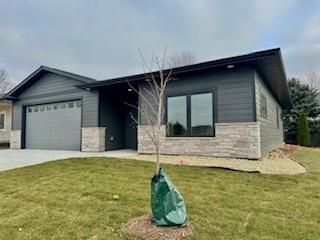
(54, 126)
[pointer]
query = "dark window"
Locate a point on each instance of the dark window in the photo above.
(63, 105)
(263, 106)
(177, 116)
(201, 115)
(2, 120)
(71, 105)
(190, 115)
(78, 104)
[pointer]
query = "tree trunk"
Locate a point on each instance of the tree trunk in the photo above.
(158, 160)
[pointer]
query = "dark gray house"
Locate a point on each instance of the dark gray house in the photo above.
(230, 107)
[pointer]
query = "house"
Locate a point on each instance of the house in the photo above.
(230, 107)
(5, 120)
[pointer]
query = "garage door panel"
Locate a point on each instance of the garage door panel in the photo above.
(54, 126)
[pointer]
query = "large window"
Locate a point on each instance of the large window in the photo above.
(190, 115)
(263, 105)
(2, 121)
(201, 115)
(177, 116)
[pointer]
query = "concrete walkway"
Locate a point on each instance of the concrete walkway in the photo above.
(10, 159)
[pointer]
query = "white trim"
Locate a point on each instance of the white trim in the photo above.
(4, 121)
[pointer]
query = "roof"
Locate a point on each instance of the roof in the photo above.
(268, 62)
(39, 72)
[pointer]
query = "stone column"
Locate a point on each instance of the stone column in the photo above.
(15, 139)
(93, 139)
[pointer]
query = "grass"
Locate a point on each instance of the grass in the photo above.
(72, 199)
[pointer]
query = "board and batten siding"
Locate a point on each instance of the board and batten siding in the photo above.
(112, 118)
(271, 135)
(233, 92)
(56, 88)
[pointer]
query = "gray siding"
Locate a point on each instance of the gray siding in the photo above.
(233, 90)
(54, 88)
(271, 136)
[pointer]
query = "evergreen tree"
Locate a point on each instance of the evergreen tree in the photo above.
(318, 135)
(304, 98)
(303, 132)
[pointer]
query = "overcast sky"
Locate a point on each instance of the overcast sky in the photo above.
(100, 38)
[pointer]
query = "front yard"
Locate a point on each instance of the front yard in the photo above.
(73, 199)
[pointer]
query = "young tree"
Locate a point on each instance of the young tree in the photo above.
(167, 204)
(151, 95)
(304, 98)
(303, 133)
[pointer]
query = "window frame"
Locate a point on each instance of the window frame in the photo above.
(4, 121)
(188, 112)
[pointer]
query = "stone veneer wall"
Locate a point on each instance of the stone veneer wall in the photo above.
(15, 139)
(239, 140)
(93, 139)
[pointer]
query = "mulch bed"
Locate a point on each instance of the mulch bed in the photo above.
(143, 228)
(289, 149)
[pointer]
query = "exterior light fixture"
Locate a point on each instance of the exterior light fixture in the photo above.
(129, 90)
(230, 66)
(87, 89)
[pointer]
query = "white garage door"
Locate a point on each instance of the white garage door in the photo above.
(54, 126)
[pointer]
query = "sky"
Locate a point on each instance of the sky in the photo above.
(101, 38)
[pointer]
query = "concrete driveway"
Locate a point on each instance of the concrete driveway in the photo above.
(10, 159)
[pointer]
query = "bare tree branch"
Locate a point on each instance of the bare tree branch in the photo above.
(313, 79)
(5, 84)
(151, 105)
(179, 60)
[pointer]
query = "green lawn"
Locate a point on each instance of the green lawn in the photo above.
(72, 199)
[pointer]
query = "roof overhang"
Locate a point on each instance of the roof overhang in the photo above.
(269, 63)
(15, 92)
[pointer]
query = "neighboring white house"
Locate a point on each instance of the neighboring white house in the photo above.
(5, 120)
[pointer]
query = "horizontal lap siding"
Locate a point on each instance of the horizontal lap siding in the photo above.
(234, 92)
(271, 136)
(235, 98)
(55, 88)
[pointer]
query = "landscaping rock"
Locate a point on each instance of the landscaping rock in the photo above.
(278, 161)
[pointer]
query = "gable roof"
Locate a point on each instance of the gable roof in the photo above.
(268, 62)
(39, 72)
